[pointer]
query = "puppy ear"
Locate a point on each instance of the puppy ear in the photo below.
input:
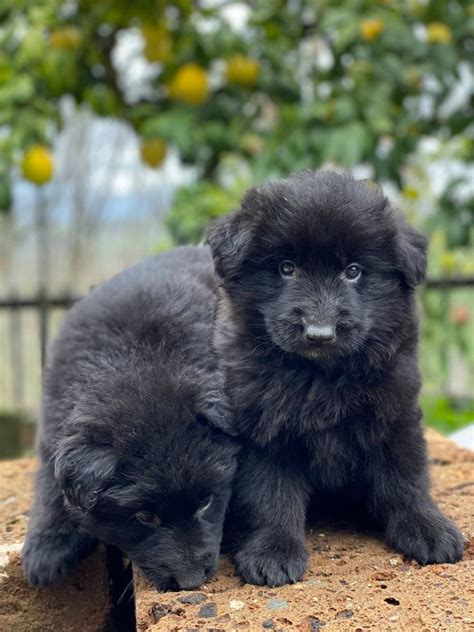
(83, 470)
(228, 238)
(411, 249)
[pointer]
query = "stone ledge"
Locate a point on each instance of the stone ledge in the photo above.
(354, 582)
(80, 604)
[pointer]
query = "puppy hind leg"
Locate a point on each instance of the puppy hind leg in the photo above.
(269, 505)
(54, 544)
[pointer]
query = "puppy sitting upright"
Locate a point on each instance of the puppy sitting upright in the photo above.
(317, 333)
(132, 443)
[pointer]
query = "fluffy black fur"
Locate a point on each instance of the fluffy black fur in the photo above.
(321, 366)
(134, 427)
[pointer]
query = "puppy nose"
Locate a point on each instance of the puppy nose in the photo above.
(170, 585)
(319, 333)
(191, 581)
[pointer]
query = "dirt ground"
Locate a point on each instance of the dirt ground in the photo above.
(354, 582)
(80, 604)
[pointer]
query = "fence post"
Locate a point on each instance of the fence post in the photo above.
(16, 358)
(42, 226)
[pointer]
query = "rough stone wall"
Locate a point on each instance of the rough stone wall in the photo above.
(354, 582)
(80, 604)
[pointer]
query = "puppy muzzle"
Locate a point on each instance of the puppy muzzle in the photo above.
(319, 334)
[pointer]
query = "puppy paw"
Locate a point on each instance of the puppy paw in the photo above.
(48, 557)
(271, 559)
(428, 538)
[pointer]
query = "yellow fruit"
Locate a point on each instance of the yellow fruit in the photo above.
(37, 165)
(190, 85)
(153, 152)
(438, 33)
(157, 42)
(411, 193)
(242, 71)
(66, 38)
(371, 29)
(448, 261)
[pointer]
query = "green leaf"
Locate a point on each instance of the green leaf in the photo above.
(18, 90)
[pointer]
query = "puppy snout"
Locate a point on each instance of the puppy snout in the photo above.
(320, 334)
(192, 581)
(170, 585)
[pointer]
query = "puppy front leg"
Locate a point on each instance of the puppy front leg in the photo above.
(269, 510)
(400, 498)
(54, 545)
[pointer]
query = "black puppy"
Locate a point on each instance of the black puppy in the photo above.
(131, 442)
(317, 333)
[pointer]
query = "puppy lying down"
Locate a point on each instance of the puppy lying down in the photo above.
(132, 444)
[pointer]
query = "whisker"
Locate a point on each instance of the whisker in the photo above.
(127, 587)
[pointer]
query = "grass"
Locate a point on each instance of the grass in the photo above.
(447, 414)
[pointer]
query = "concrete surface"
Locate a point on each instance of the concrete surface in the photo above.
(354, 582)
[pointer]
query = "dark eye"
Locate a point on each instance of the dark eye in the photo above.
(148, 519)
(204, 506)
(352, 272)
(286, 268)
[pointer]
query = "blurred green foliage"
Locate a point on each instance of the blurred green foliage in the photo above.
(330, 82)
(207, 202)
(303, 84)
(447, 414)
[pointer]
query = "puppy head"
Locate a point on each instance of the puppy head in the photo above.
(320, 265)
(151, 476)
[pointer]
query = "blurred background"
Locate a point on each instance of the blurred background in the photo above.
(125, 126)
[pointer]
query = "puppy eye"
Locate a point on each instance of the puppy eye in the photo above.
(204, 506)
(286, 268)
(148, 519)
(352, 272)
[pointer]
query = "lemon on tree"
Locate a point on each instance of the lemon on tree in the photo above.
(448, 262)
(153, 151)
(438, 33)
(157, 42)
(371, 29)
(190, 85)
(242, 71)
(37, 165)
(66, 38)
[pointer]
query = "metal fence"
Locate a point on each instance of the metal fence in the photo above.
(19, 335)
(44, 306)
